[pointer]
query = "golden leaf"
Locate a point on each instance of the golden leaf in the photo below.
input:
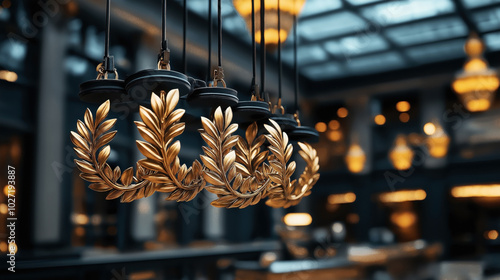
(149, 118)
(127, 176)
(100, 187)
(105, 126)
(102, 112)
(79, 141)
(148, 150)
(104, 155)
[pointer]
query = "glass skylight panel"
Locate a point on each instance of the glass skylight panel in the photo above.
(324, 71)
(362, 2)
(478, 3)
(356, 45)
(312, 7)
(428, 31)
(487, 20)
(392, 12)
(492, 41)
(437, 51)
(331, 25)
(305, 54)
(375, 63)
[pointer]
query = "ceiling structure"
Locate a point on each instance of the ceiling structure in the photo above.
(343, 38)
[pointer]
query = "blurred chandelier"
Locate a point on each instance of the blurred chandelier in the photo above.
(476, 83)
(355, 158)
(401, 155)
(438, 141)
(240, 170)
(288, 9)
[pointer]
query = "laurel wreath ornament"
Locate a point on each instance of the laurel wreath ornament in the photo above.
(240, 172)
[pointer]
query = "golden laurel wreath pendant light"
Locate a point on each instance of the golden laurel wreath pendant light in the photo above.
(240, 170)
(235, 166)
(141, 84)
(102, 88)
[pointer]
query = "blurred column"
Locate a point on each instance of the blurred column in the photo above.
(432, 106)
(51, 136)
(213, 220)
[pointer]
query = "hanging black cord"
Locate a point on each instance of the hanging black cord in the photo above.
(164, 26)
(262, 48)
(108, 24)
(219, 22)
(210, 26)
(279, 51)
(254, 50)
(295, 67)
(184, 38)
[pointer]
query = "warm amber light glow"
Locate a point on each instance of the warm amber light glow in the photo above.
(476, 83)
(342, 112)
(8, 76)
(12, 248)
(287, 8)
(334, 125)
(401, 155)
(334, 135)
(404, 117)
(429, 128)
(491, 190)
(404, 219)
(320, 127)
(7, 190)
(403, 106)
(80, 219)
(79, 231)
(379, 119)
(492, 234)
(403, 196)
(355, 159)
(3, 208)
(297, 219)
(342, 198)
(3, 246)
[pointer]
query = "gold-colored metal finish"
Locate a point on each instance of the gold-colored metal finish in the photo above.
(159, 171)
(285, 192)
(234, 166)
(219, 77)
(102, 73)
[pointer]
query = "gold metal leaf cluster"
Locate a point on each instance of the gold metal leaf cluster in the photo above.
(237, 168)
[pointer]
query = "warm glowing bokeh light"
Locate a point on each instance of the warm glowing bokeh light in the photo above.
(342, 112)
(403, 106)
(8, 76)
(404, 117)
(492, 234)
(3, 208)
(333, 125)
(342, 198)
(379, 119)
(355, 158)
(334, 135)
(9, 190)
(403, 196)
(320, 127)
(429, 128)
(79, 231)
(404, 219)
(490, 190)
(3, 246)
(297, 219)
(80, 219)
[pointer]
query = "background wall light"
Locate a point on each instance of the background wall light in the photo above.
(491, 190)
(403, 196)
(438, 141)
(297, 219)
(342, 198)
